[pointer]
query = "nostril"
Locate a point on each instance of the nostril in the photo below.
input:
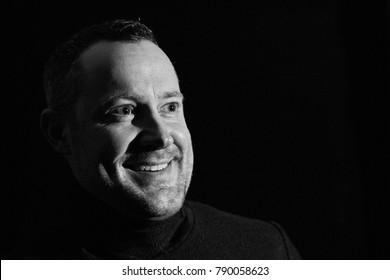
(149, 140)
(153, 131)
(169, 139)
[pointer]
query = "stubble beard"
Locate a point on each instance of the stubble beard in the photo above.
(153, 201)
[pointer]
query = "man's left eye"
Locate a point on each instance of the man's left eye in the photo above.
(170, 108)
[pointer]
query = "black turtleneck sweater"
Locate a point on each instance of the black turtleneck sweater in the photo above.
(197, 231)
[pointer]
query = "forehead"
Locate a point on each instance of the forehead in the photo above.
(136, 67)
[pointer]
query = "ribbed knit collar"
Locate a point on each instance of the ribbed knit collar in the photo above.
(131, 240)
(106, 234)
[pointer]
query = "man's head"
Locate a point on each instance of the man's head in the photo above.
(116, 113)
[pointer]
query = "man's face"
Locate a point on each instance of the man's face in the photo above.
(130, 145)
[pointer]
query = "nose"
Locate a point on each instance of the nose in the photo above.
(154, 132)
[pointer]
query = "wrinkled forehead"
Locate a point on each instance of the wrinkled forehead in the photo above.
(121, 64)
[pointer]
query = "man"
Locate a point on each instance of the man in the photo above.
(115, 112)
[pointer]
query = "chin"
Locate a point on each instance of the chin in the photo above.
(155, 204)
(146, 196)
(164, 207)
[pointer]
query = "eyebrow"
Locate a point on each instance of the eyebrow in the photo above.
(137, 97)
(169, 94)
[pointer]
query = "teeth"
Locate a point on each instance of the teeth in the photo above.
(151, 167)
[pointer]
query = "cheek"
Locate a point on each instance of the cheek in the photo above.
(116, 141)
(181, 136)
(104, 143)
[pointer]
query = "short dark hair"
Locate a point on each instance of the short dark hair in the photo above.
(61, 79)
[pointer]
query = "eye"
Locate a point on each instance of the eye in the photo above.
(123, 110)
(170, 108)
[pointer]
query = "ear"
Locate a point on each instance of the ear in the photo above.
(55, 130)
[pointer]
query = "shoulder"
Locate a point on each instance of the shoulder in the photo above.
(242, 237)
(212, 218)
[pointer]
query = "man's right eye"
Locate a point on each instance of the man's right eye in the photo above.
(123, 110)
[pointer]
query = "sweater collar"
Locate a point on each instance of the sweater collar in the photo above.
(108, 234)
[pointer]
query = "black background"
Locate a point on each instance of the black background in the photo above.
(285, 101)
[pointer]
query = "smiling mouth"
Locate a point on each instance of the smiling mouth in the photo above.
(148, 167)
